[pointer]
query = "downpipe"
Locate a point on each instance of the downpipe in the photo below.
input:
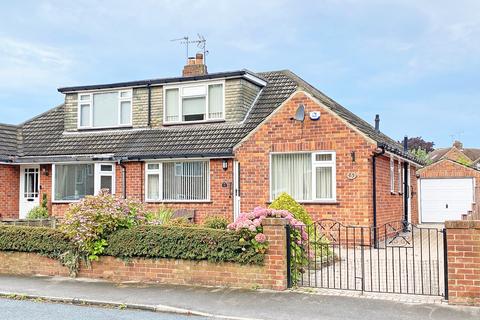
(124, 178)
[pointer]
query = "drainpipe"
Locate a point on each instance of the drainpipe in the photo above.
(149, 121)
(406, 185)
(374, 192)
(124, 178)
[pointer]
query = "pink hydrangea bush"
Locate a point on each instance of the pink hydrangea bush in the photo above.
(88, 221)
(251, 223)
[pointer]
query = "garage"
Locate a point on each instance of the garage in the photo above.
(445, 199)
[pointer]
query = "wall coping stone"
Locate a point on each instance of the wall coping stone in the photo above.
(463, 224)
(274, 222)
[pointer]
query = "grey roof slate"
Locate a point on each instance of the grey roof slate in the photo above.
(472, 153)
(8, 140)
(44, 135)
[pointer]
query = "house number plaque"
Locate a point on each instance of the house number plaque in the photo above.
(351, 175)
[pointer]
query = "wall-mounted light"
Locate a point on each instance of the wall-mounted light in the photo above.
(225, 164)
(352, 154)
(45, 171)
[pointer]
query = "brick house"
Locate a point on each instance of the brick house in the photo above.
(219, 143)
(450, 185)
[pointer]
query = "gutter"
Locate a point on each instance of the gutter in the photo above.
(374, 193)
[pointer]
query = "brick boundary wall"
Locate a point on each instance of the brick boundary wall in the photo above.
(272, 275)
(463, 246)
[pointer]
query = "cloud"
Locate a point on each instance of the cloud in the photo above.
(24, 63)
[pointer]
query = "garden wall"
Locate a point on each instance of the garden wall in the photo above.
(272, 275)
(463, 245)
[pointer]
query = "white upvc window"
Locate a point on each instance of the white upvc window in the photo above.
(177, 181)
(400, 177)
(74, 181)
(105, 109)
(305, 176)
(392, 174)
(194, 102)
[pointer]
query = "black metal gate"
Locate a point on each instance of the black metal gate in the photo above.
(392, 258)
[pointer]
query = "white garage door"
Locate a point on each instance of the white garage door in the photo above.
(445, 199)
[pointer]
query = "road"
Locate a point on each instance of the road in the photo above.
(24, 309)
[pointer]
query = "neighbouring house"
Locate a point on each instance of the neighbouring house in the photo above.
(450, 186)
(219, 143)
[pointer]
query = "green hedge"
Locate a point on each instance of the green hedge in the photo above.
(182, 243)
(146, 241)
(46, 241)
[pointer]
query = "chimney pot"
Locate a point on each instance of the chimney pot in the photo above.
(457, 144)
(377, 123)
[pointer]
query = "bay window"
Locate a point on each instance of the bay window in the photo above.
(178, 181)
(105, 109)
(304, 176)
(73, 182)
(199, 102)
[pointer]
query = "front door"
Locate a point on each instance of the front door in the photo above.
(236, 189)
(29, 189)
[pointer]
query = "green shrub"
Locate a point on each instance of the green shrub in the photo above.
(285, 202)
(161, 216)
(89, 221)
(46, 241)
(182, 243)
(214, 222)
(38, 212)
(179, 222)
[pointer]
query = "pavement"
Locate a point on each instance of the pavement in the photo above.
(14, 310)
(224, 303)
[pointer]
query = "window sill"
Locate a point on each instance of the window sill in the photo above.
(182, 123)
(178, 201)
(106, 128)
(333, 202)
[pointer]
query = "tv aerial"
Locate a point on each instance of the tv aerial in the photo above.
(200, 42)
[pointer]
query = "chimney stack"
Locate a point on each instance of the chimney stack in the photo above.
(457, 144)
(377, 123)
(195, 66)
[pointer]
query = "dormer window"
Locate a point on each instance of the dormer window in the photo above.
(194, 102)
(105, 109)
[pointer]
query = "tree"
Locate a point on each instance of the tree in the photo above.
(421, 155)
(416, 143)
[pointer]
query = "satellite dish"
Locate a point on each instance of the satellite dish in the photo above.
(300, 114)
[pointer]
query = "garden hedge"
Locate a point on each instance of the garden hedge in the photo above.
(182, 243)
(145, 242)
(42, 240)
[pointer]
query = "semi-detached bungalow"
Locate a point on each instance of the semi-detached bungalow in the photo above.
(219, 143)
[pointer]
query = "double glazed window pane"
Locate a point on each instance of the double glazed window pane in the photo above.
(194, 109)
(185, 180)
(171, 100)
(84, 115)
(292, 173)
(323, 176)
(215, 101)
(105, 110)
(74, 181)
(125, 112)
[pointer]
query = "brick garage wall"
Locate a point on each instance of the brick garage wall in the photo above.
(272, 275)
(463, 245)
(449, 169)
(9, 191)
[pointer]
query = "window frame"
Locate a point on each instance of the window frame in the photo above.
(180, 88)
(314, 164)
(97, 173)
(90, 103)
(400, 177)
(159, 171)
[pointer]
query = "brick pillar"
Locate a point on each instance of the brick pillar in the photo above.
(276, 258)
(463, 245)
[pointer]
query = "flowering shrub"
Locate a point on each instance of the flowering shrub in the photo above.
(88, 222)
(250, 225)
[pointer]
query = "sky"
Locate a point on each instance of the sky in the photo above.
(416, 63)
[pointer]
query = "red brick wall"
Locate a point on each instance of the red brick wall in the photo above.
(46, 184)
(220, 204)
(463, 245)
(273, 275)
(9, 191)
(281, 134)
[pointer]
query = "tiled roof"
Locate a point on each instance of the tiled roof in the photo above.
(44, 135)
(8, 138)
(472, 153)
